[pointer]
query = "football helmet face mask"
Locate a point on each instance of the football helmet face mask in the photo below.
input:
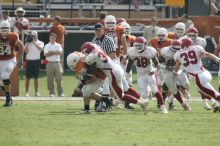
(73, 59)
(186, 42)
(5, 28)
(192, 33)
(140, 44)
(110, 22)
(162, 34)
(175, 45)
(180, 29)
(87, 48)
(126, 27)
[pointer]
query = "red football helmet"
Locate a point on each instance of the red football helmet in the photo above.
(186, 42)
(120, 20)
(140, 44)
(175, 45)
(192, 33)
(87, 47)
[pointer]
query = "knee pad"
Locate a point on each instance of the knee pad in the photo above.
(7, 82)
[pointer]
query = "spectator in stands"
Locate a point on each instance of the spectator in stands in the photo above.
(59, 30)
(33, 48)
(136, 4)
(213, 8)
(54, 70)
(19, 22)
(186, 21)
(151, 30)
(5, 16)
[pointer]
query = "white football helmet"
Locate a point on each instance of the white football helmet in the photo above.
(4, 27)
(110, 22)
(126, 27)
(162, 34)
(73, 59)
(192, 33)
(180, 29)
(140, 44)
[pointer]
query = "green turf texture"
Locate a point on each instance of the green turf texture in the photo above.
(70, 82)
(52, 123)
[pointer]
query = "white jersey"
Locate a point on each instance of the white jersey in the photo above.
(190, 59)
(168, 55)
(198, 41)
(142, 60)
(101, 59)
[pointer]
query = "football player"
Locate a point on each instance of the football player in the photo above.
(190, 59)
(179, 31)
(142, 55)
(8, 41)
(90, 83)
(97, 58)
(160, 41)
(167, 63)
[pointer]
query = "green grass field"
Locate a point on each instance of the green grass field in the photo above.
(52, 123)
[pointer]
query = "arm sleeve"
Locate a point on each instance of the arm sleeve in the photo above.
(129, 65)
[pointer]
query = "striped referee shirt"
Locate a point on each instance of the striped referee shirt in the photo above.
(106, 43)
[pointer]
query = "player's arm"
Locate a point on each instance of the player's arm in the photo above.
(20, 45)
(155, 61)
(176, 67)
(89, 75)
(129, 65)
(209, 55)
(124, 44)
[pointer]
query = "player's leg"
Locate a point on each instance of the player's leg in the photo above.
(183, 83)
(212, 100)
(116, 85)
(153, 85)
(171, 84)
(6, 69)
(203, 83)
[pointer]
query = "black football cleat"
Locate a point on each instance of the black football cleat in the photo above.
(128, 106)
(8, 102)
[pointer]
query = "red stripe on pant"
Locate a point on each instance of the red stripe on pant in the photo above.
(133, 92)
(204, 89)
(118, 91)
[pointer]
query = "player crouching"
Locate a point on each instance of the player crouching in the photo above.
(90, 84)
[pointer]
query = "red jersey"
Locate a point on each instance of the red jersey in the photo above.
(7, 46)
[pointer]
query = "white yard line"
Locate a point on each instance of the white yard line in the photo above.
(66, 98)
